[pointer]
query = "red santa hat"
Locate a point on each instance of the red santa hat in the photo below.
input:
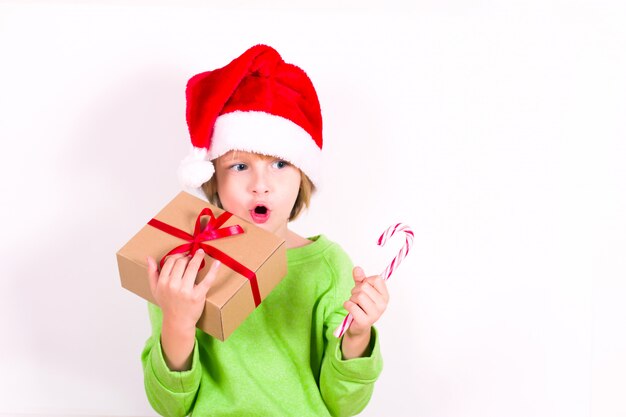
(257, 103)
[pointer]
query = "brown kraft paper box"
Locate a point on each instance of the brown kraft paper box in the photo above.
(230, 299)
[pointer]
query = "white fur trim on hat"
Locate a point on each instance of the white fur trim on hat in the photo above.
(267, 134)
(195, 169)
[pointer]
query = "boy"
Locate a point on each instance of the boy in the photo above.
(256, 128)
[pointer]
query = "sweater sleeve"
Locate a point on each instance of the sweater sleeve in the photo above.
(171, 393)
(346, 385)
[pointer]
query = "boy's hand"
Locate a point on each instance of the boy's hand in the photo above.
(175, 291)
(368, 302)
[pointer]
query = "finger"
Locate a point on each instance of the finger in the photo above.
(204, 285)
(191, 272)
(169, 264)
(358, 315)
(153, 274)
(358, 274)
(366, 303)
(178, 270)
(380, 285)
(366, 289)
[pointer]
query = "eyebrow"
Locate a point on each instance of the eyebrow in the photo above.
(234, 155)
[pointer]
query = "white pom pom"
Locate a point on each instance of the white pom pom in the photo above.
(195, 169)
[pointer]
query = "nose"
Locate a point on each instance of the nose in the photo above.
(260, 182)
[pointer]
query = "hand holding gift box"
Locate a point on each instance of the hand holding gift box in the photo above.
(175, 290)
(254, 260)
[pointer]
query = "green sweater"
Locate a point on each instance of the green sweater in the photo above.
(282, 361)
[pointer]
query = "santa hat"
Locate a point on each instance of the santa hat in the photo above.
(257, 103)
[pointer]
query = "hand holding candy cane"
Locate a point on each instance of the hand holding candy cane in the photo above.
(408, 233)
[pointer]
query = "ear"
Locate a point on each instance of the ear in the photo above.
(209, 189)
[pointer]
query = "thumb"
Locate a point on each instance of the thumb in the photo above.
(153, 274)
(358, 274)
(209, 278)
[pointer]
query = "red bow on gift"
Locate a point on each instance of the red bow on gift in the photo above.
(211, 231)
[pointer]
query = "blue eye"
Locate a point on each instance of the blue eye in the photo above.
(239, 167)
(280, 164)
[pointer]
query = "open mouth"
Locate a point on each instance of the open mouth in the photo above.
(260, 214)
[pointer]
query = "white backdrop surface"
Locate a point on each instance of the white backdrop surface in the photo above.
(495, 130)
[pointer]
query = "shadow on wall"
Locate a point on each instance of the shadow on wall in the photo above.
(78, 322)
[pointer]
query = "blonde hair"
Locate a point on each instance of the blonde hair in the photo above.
(307, 188)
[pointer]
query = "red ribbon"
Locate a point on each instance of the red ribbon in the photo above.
(200, 235)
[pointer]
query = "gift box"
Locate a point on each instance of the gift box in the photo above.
(253, 260)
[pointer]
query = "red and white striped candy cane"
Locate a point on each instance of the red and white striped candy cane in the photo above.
(408, 242)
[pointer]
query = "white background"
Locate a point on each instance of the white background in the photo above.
(495, 129)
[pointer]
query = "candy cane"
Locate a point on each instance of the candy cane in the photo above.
(408, 242)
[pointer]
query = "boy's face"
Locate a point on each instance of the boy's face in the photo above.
(258, 188)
